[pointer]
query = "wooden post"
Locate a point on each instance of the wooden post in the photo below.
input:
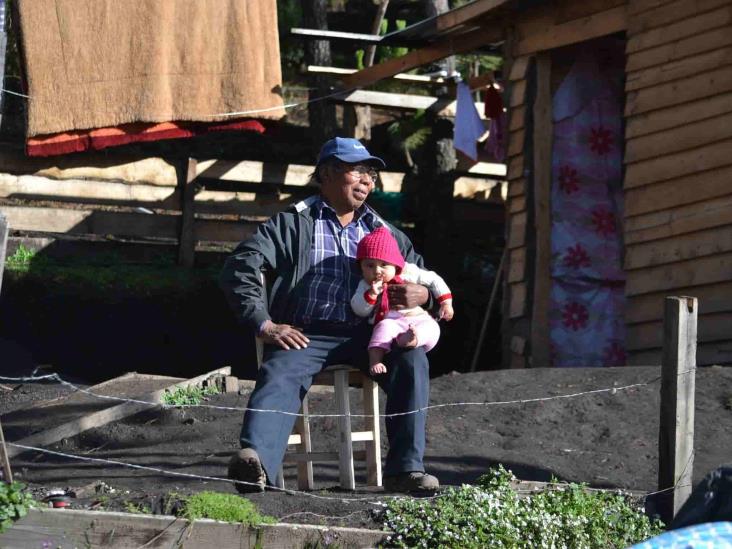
(3, 47)
(187, 237)
(543, 132)
(7, 473)
(4, 229)
(676, 435)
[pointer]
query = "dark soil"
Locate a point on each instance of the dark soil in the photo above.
(606, 439)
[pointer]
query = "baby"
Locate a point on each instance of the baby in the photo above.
(381, 264)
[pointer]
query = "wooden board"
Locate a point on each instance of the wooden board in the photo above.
(681, 69)
(677, 116)
(403, 101)
(72, 528)
(515, 167)
(517, 265)
(712, 213)
(517, 187)
(517, 116)
(707, 157)
(30, 187)
(679, 248)
(682, 191)
(649, 335)
(713, 298)
(517, 204)
(519, 67)
(133, 225)
(517, 93)
(672, 12)
(705, 270)
(517, 230)
(692, 135)
(573, 32)
(662, 55)
(107, 415)
(450, 45)
(516, 143)
(698, 86)
(678, 30)
(706, 354)
(569, 10)
(517, 292)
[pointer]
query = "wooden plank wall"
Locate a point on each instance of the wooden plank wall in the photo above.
(678, 180)
(536, 30)
(516, 326)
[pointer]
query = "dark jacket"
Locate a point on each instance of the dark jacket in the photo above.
(281, 247)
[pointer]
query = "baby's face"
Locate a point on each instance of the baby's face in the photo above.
(375, 269)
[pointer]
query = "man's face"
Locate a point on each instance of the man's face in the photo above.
(346, 186)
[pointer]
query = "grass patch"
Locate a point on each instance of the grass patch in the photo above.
(224, 507)
(186, 396)
(108, 272)
(493, 515)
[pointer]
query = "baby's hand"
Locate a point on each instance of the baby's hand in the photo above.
(378, 368)
(376, 287)
(446, 310)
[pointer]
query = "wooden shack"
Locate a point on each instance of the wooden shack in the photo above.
(673, 221)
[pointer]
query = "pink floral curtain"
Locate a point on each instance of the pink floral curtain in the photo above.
(586, 315)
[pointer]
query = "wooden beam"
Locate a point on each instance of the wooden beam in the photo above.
(102, 417)
(322, 34)
(676, 432)
(450, 45)
(542, 139)
(579, 30)
(78, 528)
(404, 101)
(4, 462)
(412, 78)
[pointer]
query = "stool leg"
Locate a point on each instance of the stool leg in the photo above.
(280, 480)
(345, 450)
(305, 468)
(373, 447)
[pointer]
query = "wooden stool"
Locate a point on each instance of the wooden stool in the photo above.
(340, 377)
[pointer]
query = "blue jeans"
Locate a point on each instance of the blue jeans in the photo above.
(286, 376)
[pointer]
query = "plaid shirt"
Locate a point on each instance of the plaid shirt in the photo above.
(328, 286)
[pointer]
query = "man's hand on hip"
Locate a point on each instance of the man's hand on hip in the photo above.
(283, 335)
(407, 295)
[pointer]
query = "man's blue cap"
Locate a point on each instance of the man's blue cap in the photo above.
(347, 149)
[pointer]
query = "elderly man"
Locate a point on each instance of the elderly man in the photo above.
(309, 253)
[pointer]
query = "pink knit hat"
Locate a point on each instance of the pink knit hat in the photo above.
(380, 244)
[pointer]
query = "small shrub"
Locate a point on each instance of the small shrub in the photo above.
(224, 507)
(14, 503)
(186, 396)
(493, 515)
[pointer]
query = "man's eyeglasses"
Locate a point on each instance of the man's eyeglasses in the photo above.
(360, 170)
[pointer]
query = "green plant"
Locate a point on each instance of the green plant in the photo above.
(14, 503)
(137, 508)
(21, 260)
(224, 507)
(186, 396)
(493, 514)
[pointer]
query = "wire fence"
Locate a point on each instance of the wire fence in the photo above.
(370, 500)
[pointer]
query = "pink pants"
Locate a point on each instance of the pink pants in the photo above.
(426, 328)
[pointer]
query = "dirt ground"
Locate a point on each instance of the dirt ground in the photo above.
(606, 439)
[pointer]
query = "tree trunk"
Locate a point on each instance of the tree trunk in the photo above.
(321, 114)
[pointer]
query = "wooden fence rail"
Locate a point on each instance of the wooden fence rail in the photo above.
(213, 201)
